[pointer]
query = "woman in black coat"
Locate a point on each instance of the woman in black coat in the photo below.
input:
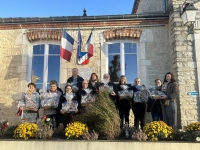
(94, 83)
(67, 97)
(139, 104)
(123, 102)
(154, 105)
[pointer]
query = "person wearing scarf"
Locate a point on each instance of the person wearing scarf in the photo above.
(139, 108)
(106, 82)
(94, 83)
(154, 105)
(123, 104)
(170, 88)
(68, 97)
(81, 93)
(31, 97)
(55, 94)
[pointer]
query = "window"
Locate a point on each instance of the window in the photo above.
(45, 65)
(122, 60)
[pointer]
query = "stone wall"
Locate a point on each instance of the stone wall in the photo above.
(154, 54)
(12, 72)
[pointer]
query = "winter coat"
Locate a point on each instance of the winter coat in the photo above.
(63, 118)
(113, 98)
(172, 91)
(28, 115)
(94, 87)
(56, 96)
(79, 81)
(123, 103)
(81, 92)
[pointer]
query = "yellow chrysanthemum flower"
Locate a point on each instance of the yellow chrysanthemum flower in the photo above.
(25, 130)
(75, 130)
(157, 130)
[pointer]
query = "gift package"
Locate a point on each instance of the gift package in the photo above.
(49, 100)
(87, 99)
(125, 94)
(154, 93)
(141, 96)
(69, 107)
(106, 87)
(29, 103)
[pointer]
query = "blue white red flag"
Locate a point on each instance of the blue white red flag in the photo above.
(90, 45)
(83, 59)
(67, 43)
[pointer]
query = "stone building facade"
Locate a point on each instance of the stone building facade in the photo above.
(163, 45)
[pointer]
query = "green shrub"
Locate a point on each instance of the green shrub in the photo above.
(102, 117)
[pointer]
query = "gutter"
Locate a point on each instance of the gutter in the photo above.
(69, 19)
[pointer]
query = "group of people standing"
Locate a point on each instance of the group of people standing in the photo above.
(77, 89)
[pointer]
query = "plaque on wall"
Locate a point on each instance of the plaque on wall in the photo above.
(85, 73)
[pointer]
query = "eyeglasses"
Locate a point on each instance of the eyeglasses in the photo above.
(137, 81)
(85, 83)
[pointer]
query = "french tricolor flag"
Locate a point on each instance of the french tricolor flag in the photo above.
(90, 46)
(67, 43)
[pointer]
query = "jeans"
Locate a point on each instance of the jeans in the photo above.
(156, 116)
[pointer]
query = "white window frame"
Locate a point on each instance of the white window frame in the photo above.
(45, 70)
(122, 53)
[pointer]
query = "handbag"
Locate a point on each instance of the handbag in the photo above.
(19, 112)
(166, 102)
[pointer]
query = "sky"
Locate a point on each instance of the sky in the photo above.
(53, 8)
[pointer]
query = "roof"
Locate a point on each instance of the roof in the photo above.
(76, 19)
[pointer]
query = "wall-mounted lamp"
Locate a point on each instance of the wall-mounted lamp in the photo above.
(188, 13)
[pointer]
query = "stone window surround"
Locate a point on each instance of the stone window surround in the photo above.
(142, 62)
(122, 61)
(44, 35)
(122, 33)
(30, 61)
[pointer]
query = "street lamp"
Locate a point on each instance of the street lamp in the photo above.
(188, 13)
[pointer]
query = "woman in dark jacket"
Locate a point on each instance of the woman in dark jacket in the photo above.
(123, 100)
(94, 83)
(68, 97)
(170, 88)
(139, 105)
(154, 105)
